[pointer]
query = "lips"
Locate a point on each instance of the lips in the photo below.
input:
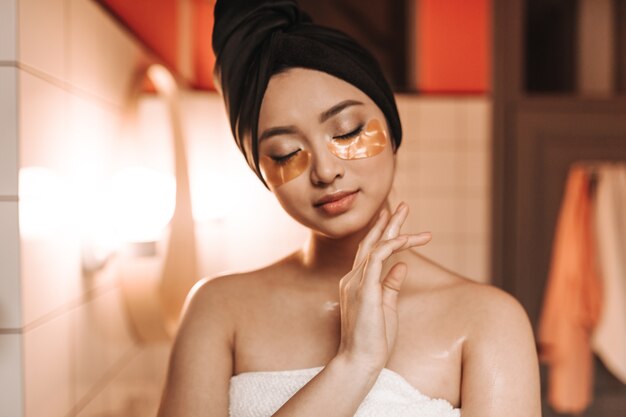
(329, 198)
(336, 203)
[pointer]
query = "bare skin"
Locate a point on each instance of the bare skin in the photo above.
(355, 299)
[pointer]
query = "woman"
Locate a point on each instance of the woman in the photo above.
(354, 323)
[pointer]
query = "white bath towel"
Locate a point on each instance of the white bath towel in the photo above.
(260, 394)
(609, 337)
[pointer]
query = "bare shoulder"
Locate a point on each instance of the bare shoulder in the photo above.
(224, 295)
(480, 306)
(491, 311)
(201, 361)
(499, 346)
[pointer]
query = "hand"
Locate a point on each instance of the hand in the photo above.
(368, 301)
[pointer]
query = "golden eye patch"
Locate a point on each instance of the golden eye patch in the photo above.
(277, 172)
(370, 142)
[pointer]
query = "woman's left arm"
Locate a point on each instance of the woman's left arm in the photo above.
(500, 366)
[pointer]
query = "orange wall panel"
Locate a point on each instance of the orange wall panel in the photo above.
(453, 46)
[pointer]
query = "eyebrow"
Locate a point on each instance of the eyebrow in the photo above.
(324, 116)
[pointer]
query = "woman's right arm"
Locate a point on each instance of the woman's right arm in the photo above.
(200, 367)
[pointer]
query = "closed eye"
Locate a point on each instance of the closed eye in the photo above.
(350, 135)
(285, 158)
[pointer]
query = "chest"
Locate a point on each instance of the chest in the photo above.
(297, 334)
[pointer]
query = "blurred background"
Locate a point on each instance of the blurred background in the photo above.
(121, 186)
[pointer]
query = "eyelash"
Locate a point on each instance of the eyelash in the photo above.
(281, 160)
(350, 135)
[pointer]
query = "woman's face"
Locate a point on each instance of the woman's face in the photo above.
(325, 151)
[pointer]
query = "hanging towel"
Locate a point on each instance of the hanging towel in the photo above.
(609, 338)
(572, 300)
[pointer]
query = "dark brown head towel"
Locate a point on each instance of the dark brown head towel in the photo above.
(255, 39)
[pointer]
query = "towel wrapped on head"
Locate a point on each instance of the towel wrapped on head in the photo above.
(255, 39)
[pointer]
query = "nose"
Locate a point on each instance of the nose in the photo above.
(325, 167)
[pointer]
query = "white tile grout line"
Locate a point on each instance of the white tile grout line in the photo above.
(64, 85)
(102, 383)
(78, 302)
(67, 86)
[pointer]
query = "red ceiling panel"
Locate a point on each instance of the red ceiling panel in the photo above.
(153, 21)
(453, 43)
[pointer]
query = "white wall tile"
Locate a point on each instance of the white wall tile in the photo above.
(137, 389)
(477, 123)
(51, 274)
(48, 368)
(437, 172)
(409, 110)
(8, 30)
(443, 252)
(42, 36)
(102, 56)
(42, 124)
(476, 261)
(100, 406)
(439, 215)
(439, 124)
(475, 220)
(476, 171)
(102, 338)
(51, 264)
(10, 288)
(11, 377)
(8, 130)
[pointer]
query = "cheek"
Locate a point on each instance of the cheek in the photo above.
(295, 200)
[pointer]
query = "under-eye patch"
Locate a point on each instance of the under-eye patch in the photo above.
(370, 142)
(279, 171)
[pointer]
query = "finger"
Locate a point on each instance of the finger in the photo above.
(374, 261)
(372, 237)
(393, 283)
(393, 227)
(419, 239)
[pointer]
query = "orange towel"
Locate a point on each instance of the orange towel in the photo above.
(572, 301)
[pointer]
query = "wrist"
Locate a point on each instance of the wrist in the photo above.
(358, 368)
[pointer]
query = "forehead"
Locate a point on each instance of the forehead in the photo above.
(301, 94)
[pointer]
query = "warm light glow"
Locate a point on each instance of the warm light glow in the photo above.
(141, 203)
(162, 79)
(43, 200)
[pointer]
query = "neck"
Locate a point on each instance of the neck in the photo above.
(330, 257)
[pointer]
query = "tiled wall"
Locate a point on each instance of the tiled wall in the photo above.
(11, 338)
(65, 344)
(444, 175)
(65, 69)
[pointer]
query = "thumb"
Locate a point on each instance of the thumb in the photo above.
(392, 284)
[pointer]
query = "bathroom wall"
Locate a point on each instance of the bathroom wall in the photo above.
(65, 68)
(444, 173)
(66, 348)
